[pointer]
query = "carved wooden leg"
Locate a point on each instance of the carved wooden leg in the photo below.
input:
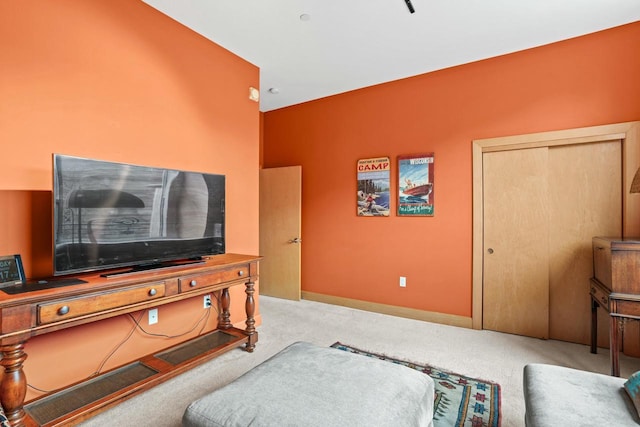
(13, 388)
(614, 345)
(225, 302)
(250, 308)
(594, 327)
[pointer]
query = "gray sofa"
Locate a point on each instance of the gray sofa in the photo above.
(311, 386)
(558, 396)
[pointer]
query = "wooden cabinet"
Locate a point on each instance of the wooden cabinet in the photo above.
(42, 309)
(615, 286)
(616, 264)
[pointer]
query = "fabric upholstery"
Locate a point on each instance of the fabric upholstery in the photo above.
(632, 387)
(4, 422)
(559, 396)
(319, 387)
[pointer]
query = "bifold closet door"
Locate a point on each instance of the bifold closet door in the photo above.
(542, 206)
(516, 230)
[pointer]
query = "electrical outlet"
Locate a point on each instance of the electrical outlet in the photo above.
(403, 282)
(153, 316)
(207, 301)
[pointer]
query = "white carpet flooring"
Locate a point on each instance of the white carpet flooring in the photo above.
(488, 355)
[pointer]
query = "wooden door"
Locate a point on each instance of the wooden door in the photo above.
(280, 231)
(585, 200)
(516, 265)
(542, 206)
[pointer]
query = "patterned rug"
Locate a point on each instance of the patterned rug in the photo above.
(459, 400)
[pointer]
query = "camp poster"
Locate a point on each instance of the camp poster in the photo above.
(373, 186)
(415, 185)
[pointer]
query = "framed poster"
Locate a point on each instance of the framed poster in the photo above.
(373, 186)
(415, 185)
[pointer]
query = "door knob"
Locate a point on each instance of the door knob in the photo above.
(490, 251)
(295, 240)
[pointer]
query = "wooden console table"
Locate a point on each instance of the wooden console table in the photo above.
(615, 286)
(46, 309)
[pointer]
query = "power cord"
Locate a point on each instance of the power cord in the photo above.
(136, 325)
(117, 347)
(104, 361)
(204, 317)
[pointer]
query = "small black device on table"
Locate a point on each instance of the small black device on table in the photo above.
(11, 270)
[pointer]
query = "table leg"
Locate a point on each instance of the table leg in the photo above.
(614, 345)
(250, 307)
(594, 327)
(13, 387)
(225, 303)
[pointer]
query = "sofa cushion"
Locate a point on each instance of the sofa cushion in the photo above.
(632, 387)
(319, 386)
(559, 396)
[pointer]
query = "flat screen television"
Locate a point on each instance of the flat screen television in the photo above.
(108, 215)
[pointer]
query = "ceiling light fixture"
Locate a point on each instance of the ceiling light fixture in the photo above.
(305, 17)
(410, 6)
(274, 90)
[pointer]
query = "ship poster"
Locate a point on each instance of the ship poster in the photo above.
(415, 185)
(374, 177)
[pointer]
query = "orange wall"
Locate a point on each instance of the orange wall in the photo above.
(586, 81)
(116, 80)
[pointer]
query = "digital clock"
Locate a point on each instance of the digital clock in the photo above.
(11, 270)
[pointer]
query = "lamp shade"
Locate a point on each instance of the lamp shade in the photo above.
(635, 184)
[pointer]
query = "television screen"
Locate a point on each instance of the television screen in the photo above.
(109, 215)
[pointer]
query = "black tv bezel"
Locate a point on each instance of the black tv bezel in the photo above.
(138, 264)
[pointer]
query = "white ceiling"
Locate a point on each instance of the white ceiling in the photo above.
(351, 44)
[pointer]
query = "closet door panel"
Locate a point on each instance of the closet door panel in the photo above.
(516, 266)
(585, 200)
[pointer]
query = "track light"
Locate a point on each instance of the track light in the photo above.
(410, 6)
